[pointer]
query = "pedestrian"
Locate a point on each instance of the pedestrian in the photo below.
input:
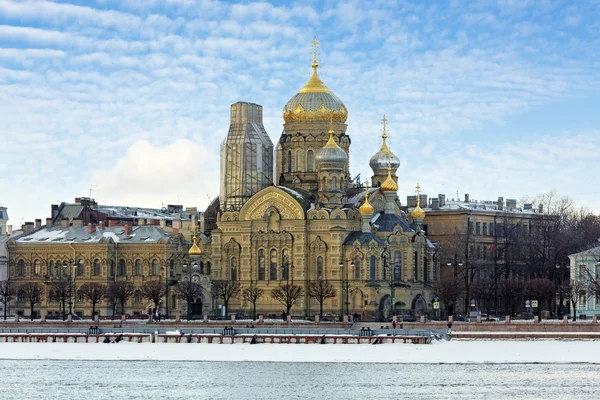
(158, 316)
(394, 324)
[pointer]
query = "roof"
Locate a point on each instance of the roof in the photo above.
(593, 253)
(363, 237)
(69, 211)
(300, 195)
(57, 234)
(488, 206)
(386, 222)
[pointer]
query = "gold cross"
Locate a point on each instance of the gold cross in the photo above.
(384, 127)
(315, 43)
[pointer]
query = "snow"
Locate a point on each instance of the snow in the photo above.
(453, 352)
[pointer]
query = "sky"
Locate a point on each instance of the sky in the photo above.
(128, 101)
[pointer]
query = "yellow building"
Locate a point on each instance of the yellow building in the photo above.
(314, 223)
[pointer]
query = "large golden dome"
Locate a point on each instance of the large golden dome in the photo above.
(315, 101)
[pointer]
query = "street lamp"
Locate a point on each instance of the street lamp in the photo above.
(456, 264)
(71, 282)
(347, 285)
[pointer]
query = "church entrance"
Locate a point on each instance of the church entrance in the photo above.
(196, 308)
(419, 305)
(385, 311)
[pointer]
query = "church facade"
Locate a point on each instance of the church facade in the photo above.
(309, 221)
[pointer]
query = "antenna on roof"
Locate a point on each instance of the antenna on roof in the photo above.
(91, 189)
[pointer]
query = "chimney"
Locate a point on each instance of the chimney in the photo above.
(91, 228)
(128, 229)
(9, 230)
(64, 223)
(435, 204)
(466, 197)
(163, 223)
(423, 199)
(500, 203)
(77, 223)
(48, 222)
(111, 223)
(38, 223)
(442, 198)
(541, 208)
(101, 225)
(528, 206)
(141, 222)
(511, 203)
(54, 210)
(28, 227)
(411, 201)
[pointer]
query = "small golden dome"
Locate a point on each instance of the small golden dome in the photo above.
(389, 185)
(418, 212)
(366, 208)
(194, 250)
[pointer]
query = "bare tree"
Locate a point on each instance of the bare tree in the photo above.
(60, 290)
(190, 292)
(576, 290)
(7, 292)
(321, 290)
(448, 290)
(118, 293)
(542, 290)
(510, 290)
(288, 295)
(93, 292)
(32, 293)
(252, 295)
(485, 291)
(226, 290)
(154, 291)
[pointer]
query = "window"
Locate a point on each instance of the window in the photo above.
(425, 269)
(289, 161)
(273, 265)
(155, 267)
(51, 269)
(478, 228)
(471, 229)
(208, 268)
(138, 267)
(357, 268)
(112, 268)
(172, 268)
(416, 266)
(36, 267)
(121, 267)
(319, 267)
(397, 266)
(298, 156)
(80, 267)
(372, 268)
(333, 184)
(285, 267)
(597, 270)
(21, 268)
(492, 229)
(234, 269)
(96, 267)
(310, 161)
(137, 297)
(261, 265)
(485, 229)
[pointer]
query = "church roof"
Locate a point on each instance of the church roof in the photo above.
(363, 237)
(303, 197)
(386, 222)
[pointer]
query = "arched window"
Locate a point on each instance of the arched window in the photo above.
(372, 268)
(36, 267)
(319, 267)
(112, 268)
(397, 266)
(137, 297)
(51, 269)
(416, 266)
(357, 268)
(208, 268)
(324, 184)
(273, 265)
(201, 267)
(138, 267)
(80, 265)
(310, 161)
(333, 184)
(285, 271)
(425, 269)
(21, 268)
(121, 267)
(172, 268)
(96, 267)
(298, 158)
(261, 265)
(234, 269)
(154, 267)
(289, 161)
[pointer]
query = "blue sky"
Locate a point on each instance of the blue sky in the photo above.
(491, 98)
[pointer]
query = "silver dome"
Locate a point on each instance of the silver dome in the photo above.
(332, 155)
(380, 161)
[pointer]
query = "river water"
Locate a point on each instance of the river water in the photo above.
(53, 379)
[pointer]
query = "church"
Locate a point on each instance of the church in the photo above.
(290, 214)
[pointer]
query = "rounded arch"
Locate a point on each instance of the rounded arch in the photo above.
(286, 204)
(419, 305)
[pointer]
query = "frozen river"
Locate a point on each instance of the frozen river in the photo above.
(72, 379)
(443, 370)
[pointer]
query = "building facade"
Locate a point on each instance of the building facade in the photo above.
(584, 272)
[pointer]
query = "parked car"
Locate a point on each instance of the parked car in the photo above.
(57, 317)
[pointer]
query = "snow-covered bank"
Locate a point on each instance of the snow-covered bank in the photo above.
(438, 352)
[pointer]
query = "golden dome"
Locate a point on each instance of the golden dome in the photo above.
(366, 208)
(389, 185)
(315, 101)
(194, 250)
(418, 212)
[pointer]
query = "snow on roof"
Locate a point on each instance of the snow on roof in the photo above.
(57, 234)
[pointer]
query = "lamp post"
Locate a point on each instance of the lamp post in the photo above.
(454, 262)
(347, 286)
(560, 272)
(71, 284)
